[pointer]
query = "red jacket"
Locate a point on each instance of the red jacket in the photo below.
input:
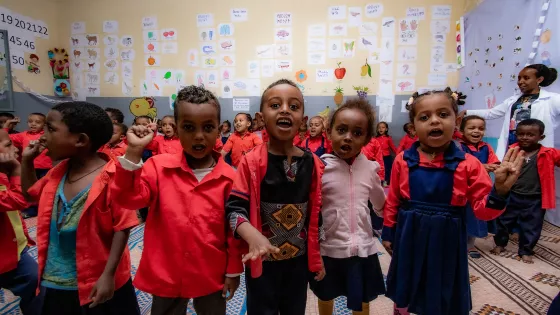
(188, 246)
(21, 141)
(247, 185)
(239, 145)
(387, 145)
(373, 152)
(11, 198)
(406, 143)
(113, 152)
(457, 135)
(263, 134)
(313, 144)
(99, 221)
(162, 144)
(298, 140)
(218, 146)
(492, 157)
(547, 158)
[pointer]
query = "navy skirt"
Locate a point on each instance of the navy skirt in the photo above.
(359, 279)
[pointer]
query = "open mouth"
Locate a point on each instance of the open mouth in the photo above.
(284, 123)
(435, 133)
(199, 147)
(346, 148)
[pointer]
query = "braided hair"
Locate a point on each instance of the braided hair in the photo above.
(456, 99)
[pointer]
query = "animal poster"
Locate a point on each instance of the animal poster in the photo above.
(317, 30)
(92, 40)
(388, 27)
(207, 34)
(267, 68)
(78, 40)
(77, 53)
(374, 10)
(93, 90)
(78, 28)
(151, 35)
(265, 51)
(111, 40)
(253, 69)
(227, 60)
(127, 41)
(226, 29)
(408, 32)
(227, 44)
(283, 19)
(367, 43)
(92, 78)
(205, 20)
(407, 53)
(111, 78)
(151, 48)
(349, 48)
(93, 66)
(368, 28)
(227, 74)
(338, 29)
(110, 27)
(334, 48)
(354, 16)
(149, 23)
(283, 34)
(111, 64)
(168, 34)
(337, 12)
(406, 69)
(282, 50)
(128, 55)
(127, 69)
(208, 48)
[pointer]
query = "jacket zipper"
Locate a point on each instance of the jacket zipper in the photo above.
(352, 214)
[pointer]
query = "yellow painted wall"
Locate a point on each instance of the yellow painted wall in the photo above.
(47, 11)
(258, 30)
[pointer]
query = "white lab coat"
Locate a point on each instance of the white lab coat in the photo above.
(547, 109)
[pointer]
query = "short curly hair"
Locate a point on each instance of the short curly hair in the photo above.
(117, 114)
(359, 104)
(87, 118)
(275, 83)
(196, 95)
(418, 97)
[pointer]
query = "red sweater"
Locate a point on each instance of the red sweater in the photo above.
(387, 145)
(406, 143)
(113, 152)
(374, 153)
(21, 141)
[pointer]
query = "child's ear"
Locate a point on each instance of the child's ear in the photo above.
(458, 120)
(123, 136)
(83, 140)
(542, 137)
(329, 134)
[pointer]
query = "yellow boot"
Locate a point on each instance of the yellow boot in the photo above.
(325, 307)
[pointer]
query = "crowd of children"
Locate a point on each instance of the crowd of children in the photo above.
(294, 208)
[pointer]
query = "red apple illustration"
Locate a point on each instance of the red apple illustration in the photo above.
(171, 33)
(151, 47)
(339, 73)
(165, 34)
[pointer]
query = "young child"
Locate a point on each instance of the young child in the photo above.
(424, 214)
(168, 142)
(387, 145)
(116, 145)
(350, 180)
(18, 269)
(189, 250)
(303, 133)
(259, 127)
(84, 263)
(473, 129)
(225, 131)
(409, 138)
(242, 141)
(317, 142)
(43, 163)
(532, 194)
(4, 117)
(117, 117)
(274, 206)
(373, 152)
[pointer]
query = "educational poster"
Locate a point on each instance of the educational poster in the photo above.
(349, 48)
(337, 12)
(227, 74)
(227, 60)
(111, 40)
(416, 13)
(205, 20)
(338, 29)
(149, 23)
(226, 29)
(407, 53)
(128, 54)
(169, 48)
(126, 69)
(368, 28)
(227, 45)
(388, 27)
(265, 51)
(367, 43)
(253, 87)
(192, 57)
(212, 78)
(283, 66)
(267, 68)
(335, 48)
(374, 10)
(441, 12)
(405, 85)
(317, 30)
(283, 34)
(354, 16)
(126, 41)
(283, 50)
(110, 27)
(239, 15)
(283, 19)
(127, 87)
(316, 44)
(324, 75)
(151, 36)
(92, 40)
(78, 28)
(408, 31)
(316, 58)
(406, 69)
(227, 90)
(253, 69)
(169, 34)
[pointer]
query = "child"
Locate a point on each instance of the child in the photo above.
(225, 131)
(302, 134)
(168, 142)
(18, 269)
(186, 193)
(242, 141)
(259, 127)
(116, 145)
(532, 194)
(117, 117)
(4, 117)
(43, 163)
(409, 138)
(373, 152)
(277, 192)
(387, 145)
(350, 180)
(84, 263)
(424, 215)
(472, 129)
(317, 142)
(143, 121)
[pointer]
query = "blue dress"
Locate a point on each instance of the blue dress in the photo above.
(476, 227)
(429, 268)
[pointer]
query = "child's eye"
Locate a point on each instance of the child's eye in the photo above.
(275, 105)
(423, 118)
(294, 107)
(341, 130)
(188, 127)
(208, 128)
(358, 133)
(443, 114)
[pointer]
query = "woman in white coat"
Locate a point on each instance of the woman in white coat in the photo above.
(534, 102)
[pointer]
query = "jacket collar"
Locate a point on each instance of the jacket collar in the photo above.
(179, 160)
(543, 94)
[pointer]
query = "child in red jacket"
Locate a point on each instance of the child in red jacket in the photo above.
(532, 194)
(317, 141)
(169, 141)
(274, 206)
(18, 270)
(116, 146)
(189, 251)
(242, 140)
(84, 263)
(409, 138)
(373, 152)
(387, 145)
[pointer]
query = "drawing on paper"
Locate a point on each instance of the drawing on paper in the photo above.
(349, 48)
(227, 45)
(92, 40)
(126, 41)
(226, 29)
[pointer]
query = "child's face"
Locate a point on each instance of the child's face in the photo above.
(282, 112)
(315, 127)
(410, 130)
(241, 123)
(224, 128)
(142, 121)
(434, 121)
(528, 137)
(474, 130)
(197, 128)
(348, 134)
(113, 119)
(61, 143)
(35, 123)
(168, 126)
(381, 129)
(6, 145)
(117, 136)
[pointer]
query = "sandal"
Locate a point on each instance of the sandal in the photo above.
(473, 253)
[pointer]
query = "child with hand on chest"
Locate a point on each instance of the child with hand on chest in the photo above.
(242, 141)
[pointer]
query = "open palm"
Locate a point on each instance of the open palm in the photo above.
(508, 172)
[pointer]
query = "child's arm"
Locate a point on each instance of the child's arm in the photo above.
(227, 147)
(237, 212)
(28, 175)
(17, 140)
(394, 198)
(402, 144)
(256, 140)
(379, 159)
(12, 198)
(489, 202)
(392, 144)
(376, 194)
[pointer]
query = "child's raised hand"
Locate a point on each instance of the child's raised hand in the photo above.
(230, 286)
(139, 136)
(506, 174)
(11, 123)
(490, 167)
(33, 150)
(8, 162)
(153, 124)
(259, 246)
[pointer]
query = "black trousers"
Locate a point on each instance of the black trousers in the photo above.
(527, 212)
(65, 302)
(212, 304)
(281, 289)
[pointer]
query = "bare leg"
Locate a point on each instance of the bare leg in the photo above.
(325, 307)
(497, 250)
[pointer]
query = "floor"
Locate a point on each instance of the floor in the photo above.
(500, 284)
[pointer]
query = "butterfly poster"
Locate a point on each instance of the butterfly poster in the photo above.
(349, 47)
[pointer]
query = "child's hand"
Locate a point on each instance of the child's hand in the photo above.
(11, 123)
(322, 273)
(506, 174)
(230, 285)
(139, 137)
(103, 290)
(259, 246)
(33, 150)
(153, 124)
(8, 162)
(490, 167)
(388, 247)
